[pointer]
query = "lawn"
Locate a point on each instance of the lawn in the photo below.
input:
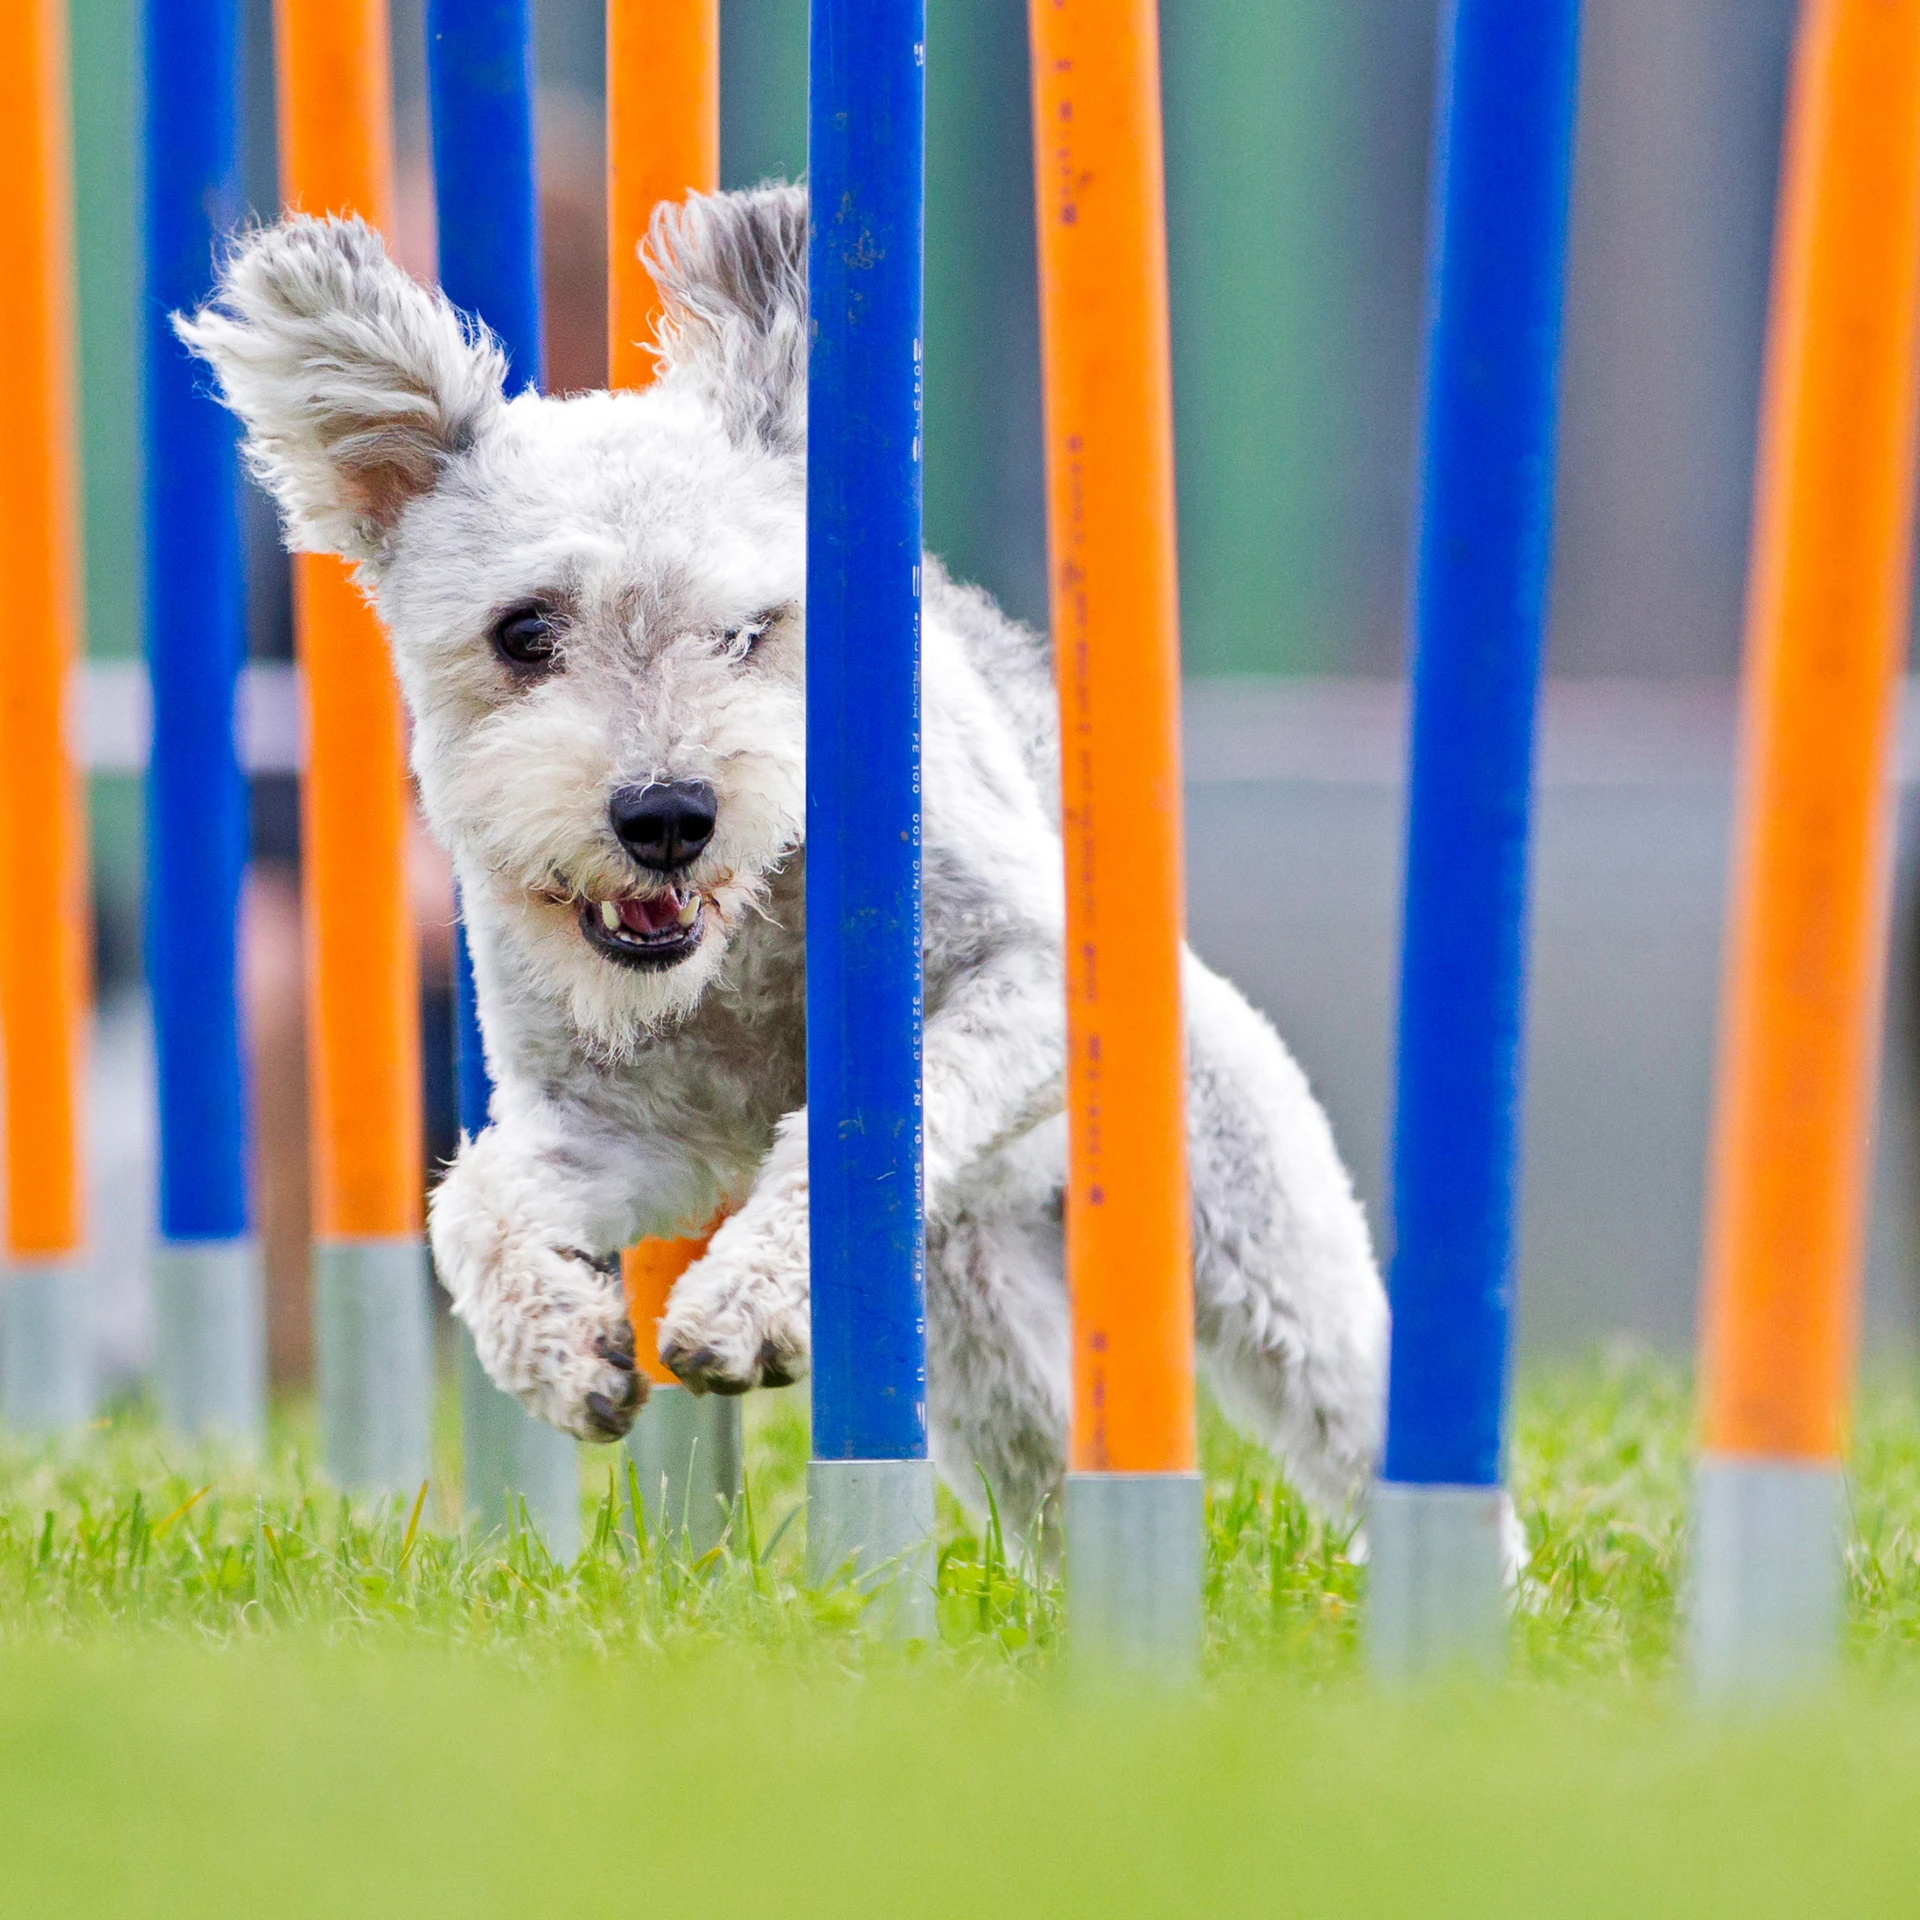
(221, 1690)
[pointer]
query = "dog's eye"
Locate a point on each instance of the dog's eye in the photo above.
(527, 636)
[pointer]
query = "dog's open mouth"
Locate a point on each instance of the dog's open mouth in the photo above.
(646, 930)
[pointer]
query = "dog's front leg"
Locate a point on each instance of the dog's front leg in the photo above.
(738, 1317)
(991, 1067)
(515, 1246)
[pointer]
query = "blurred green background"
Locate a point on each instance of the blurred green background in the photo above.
(1297, 138)
(300, 1785)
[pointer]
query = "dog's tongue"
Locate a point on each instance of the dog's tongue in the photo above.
(654, 914)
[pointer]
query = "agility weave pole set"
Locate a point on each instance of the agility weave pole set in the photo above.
(1133, 1511)
(1827, 630)
(209, 1288)
(373, 1334)
(44, 1372)
(1828, 603)
(480, 111)
(1827, 624)
(870, 1484)
(1503, 158)
(374, 1354)
(1134, 1523)
(662, 142)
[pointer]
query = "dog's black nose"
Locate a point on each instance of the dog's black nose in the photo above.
(664, 825)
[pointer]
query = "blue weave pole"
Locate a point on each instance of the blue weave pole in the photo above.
(210, 1327)
(871, 1488)
(480, 99)
(480, 102)
(1496, 269)
(473, 1086)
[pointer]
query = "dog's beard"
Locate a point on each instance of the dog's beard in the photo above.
(616, 1008)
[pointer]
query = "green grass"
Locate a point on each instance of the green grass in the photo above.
(129, 1533)
(224, 1689)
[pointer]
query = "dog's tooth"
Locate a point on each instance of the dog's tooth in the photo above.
(689, 907)
(609, 916)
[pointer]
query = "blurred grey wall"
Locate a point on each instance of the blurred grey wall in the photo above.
(1295, 811)
(1681, 106)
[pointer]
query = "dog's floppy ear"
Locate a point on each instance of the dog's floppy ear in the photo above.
(356, 384)
(732, 274)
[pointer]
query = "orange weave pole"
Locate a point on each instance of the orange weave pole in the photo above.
(647, 1274)
(362, 978)
(43, 911)
(1110, 523)
(663, 141)
(1827, 627)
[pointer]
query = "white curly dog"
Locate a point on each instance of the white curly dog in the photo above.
(597, 611)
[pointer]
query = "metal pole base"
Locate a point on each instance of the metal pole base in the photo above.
(1768, 1574)
(508, 1457)
(210, 1339)
(872, 1521)
(46, 1347)
(374, 1358)
(1436, 1580)
(1136, 1550)
(686, 1459)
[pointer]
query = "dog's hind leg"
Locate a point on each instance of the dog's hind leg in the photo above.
(998, 1380)
(1290, 1313)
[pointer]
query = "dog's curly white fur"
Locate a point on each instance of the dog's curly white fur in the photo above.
(657, 541)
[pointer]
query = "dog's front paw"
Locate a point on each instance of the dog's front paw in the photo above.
(548, 1319)
(554, 1333)
(738, 1319)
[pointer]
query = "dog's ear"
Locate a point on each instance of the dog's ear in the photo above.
(356, 384)
(732, 274)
